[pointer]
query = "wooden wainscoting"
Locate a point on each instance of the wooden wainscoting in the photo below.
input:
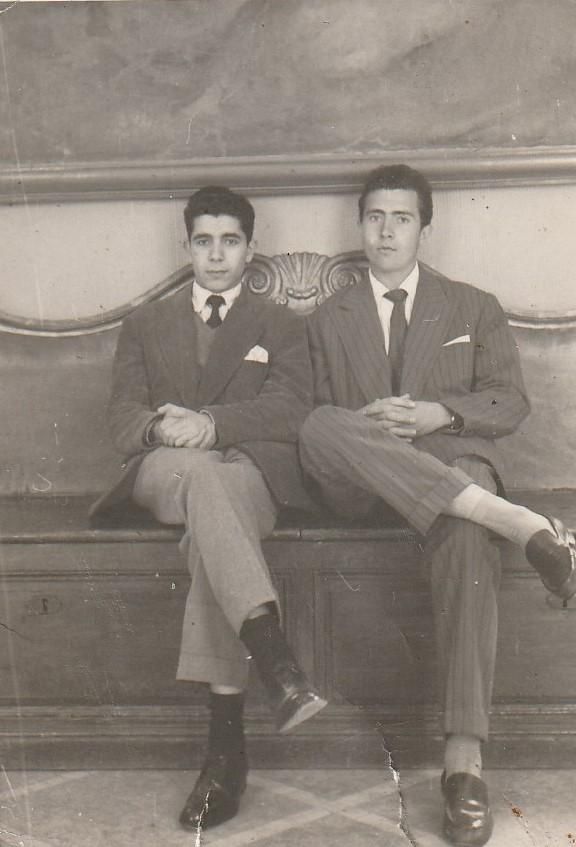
(91, 626)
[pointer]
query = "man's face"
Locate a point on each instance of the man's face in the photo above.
(391, 233)
(219, 252)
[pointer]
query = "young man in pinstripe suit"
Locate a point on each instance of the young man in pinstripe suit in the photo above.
(415, 377)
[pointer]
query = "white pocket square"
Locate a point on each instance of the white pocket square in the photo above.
(257, 354)
(462, 339)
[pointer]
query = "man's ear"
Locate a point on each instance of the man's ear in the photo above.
(425, 232)
(251, 250)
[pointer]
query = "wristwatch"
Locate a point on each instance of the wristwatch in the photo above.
(456, 423)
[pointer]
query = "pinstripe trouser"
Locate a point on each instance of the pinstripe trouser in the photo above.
(356, 463)
(226, 507)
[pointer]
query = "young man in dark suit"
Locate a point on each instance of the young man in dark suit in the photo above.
(211, 386)
(415, 378)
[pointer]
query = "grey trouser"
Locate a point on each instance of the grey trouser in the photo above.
(356, 463)
(226, 507)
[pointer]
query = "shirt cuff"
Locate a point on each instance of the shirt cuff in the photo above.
(209, 415)
(148, 437)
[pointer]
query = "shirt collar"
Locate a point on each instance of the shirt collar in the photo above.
(409, 284)
(200, 295)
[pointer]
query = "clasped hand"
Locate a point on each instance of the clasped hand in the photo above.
(407, 418)
(181, 427)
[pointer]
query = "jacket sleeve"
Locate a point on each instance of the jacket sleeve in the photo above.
(496, 402)
(284, 400)
(129, 410)
(323, 394)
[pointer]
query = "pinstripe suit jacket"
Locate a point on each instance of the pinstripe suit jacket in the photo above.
(478, 375)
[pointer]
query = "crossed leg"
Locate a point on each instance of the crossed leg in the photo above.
(356, 466)
(226, 508)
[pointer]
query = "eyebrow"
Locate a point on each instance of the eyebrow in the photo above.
(211, 235)
(392, 212)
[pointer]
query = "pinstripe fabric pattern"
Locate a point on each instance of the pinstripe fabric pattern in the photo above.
(479, 378)
(348, 454)
(459, 351)
(464, 571)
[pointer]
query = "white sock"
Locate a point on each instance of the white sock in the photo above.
(516, 523)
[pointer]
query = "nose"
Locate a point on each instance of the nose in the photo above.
(216, 254)
(387, 226)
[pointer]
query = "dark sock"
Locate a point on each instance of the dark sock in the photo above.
(226, 733)
(266, 643)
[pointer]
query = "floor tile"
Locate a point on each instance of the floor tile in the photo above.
(313, 808)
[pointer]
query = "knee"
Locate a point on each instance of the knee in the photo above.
(192, 464)
(196, 479)
(320, 422)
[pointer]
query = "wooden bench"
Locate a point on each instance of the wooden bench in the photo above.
(90, 615)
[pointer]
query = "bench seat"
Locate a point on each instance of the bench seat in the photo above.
(90, 621)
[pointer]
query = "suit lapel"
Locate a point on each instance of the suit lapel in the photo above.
(431, 315)
(176, 337)
(240, 331)
(357, 323)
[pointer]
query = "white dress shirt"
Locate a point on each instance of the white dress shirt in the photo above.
(200, 295)
(385, 306)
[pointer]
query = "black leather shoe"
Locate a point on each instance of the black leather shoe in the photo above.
(216, 796)
(468, 820)
(291, 696)
(555, 550)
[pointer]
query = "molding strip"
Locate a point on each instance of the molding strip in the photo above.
(282, 175)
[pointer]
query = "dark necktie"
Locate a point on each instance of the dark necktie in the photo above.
(398, 327)
(215, 301)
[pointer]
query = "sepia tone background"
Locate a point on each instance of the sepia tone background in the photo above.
(111, 112)
(174, 79)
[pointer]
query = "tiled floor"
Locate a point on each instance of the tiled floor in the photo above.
(309, 808)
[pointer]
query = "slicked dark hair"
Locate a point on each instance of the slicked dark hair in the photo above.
(216, 200)
(394, 177)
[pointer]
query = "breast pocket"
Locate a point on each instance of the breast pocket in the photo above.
(248, 381)
(454, 367)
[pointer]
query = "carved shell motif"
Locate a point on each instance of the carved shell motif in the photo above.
(301, 280)
(300, 274)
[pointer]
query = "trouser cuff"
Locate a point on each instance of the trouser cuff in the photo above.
(434, 503)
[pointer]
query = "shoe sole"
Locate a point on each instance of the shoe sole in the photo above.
(304, 713)
(205, 821)
(471, 839)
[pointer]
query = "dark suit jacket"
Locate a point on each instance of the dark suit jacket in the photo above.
(258, 407)
(479, 378)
